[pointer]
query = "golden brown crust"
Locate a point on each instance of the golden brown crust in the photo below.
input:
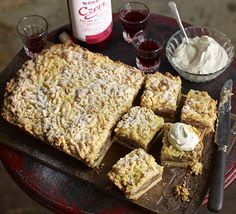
(162, 94)
(171, 156)
(199, 110)
(138, 127)
(135, 173)
(71, 98)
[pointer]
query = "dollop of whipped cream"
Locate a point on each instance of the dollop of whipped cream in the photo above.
(183, 137)
(201, 55)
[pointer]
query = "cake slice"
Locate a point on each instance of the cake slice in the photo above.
(138, 128)
(162, 94)
(199, 110)
(136, 173)
(182, 145)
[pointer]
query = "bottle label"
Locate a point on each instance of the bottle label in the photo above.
(91, 20)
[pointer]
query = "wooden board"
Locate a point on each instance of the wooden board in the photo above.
(160, 198)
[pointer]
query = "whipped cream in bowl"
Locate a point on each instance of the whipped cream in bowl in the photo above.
(201, 55)
(183, 137)
(207, 54)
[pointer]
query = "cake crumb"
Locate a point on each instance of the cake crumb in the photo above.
(99, 168)
(226, 96)
(182, 191)
(196, 168)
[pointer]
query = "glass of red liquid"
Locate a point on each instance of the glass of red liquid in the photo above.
(33, 31)
(149, 48)
(134, 17)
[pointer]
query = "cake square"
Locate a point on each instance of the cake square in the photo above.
(199, 110)
(138, 128)
(162, 94)
(184, 151)
(71, 99)
(136, 173)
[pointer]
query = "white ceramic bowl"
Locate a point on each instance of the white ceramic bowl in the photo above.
(176, 39)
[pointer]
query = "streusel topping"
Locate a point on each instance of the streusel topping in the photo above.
(139, 124)
(161, 91)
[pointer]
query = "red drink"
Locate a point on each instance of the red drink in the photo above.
(34, 43)
(148, 54)
(134, 16)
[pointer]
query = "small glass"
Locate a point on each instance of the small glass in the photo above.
(33, 31)
(149, 48)
(134, 17)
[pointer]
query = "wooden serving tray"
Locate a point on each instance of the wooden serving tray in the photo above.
(160, 198)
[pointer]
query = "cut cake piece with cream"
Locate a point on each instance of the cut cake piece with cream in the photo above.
(182, 145)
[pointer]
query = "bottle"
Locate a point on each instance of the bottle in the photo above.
(91, 20)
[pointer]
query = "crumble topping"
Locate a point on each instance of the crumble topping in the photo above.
(139, 124)
(161, 91)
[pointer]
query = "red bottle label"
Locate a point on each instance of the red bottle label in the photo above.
(91, 20)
